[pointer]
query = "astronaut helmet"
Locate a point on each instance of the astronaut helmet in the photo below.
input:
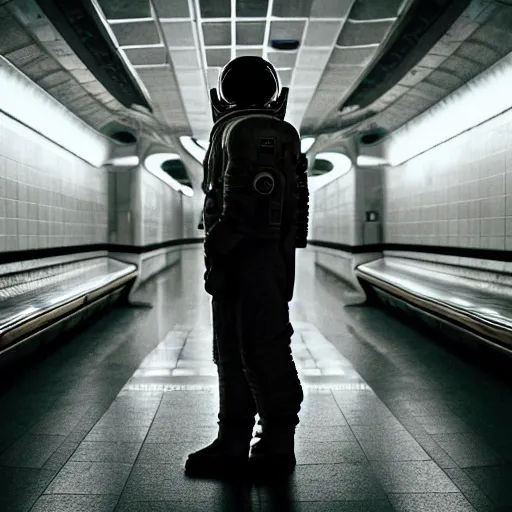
(248, 82)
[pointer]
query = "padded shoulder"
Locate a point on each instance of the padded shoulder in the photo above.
(242, 130)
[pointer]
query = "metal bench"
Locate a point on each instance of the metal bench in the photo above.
(475, 300)
(38, 294)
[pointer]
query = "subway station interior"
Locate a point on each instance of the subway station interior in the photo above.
(402, 307)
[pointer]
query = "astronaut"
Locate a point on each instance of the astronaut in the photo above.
(255, 216)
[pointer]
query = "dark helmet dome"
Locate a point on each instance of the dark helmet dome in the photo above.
(248, 81)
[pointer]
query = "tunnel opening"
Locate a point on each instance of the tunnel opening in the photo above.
(176, 170)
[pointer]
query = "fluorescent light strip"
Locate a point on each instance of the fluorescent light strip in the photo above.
(233, 29)
(36, 113)
(147, 66)
(266, 35)
(192, 148)
(182, 47)
(140, 46)
(454, 114)
(357, 46)
(128, 20)
(175, 20)
(362, 22)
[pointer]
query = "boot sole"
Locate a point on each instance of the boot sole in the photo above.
(224, 469)
(265, 469)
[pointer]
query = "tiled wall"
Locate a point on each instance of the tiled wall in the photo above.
(333, 211)
(48, 197)
(456, 194)
(192, 209)
(161, 211)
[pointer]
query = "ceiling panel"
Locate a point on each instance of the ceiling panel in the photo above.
(185, 59)
(12, 35)
(352, 56)
(322, 33)
(285, 76)
(125, 9)
(217, 34)
(171, 9)
(305, 78)
(287, 29)
(144, 56)
(136, 33)
(291, 8)
(241, 52)
(445, 78)
(359, 34)
(251, 8)
(212, 76)
(374, 10)
(178, 33)
(189, 77)
(215, 8)
(218, 58)
(250, 32)
(282, 59)
(313, 59)
(330, 8)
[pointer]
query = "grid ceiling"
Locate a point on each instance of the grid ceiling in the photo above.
(177, 48)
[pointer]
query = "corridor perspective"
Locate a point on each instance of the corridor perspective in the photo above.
(402, 305)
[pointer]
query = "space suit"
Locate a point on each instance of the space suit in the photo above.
(255, 216)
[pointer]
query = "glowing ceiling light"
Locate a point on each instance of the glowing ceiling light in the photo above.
(341, 164)
(370, 161)
(42, 115)
(153, 163)
(124, 161)
(455, 114)
(197, 151)
(306, 143)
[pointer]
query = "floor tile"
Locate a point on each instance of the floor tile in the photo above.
(333, 452)
(413, 477)
(430, 502)
(31, 451)
(393, 451)
(323, 434)
(90, 478)
(468, 450)
(176, 506)
(118, 434)
(335, 482)
(72, 503)
(106, 451)
(20, 488)
(495, 482)
(335, 506)
(155, 482)
(442, 424)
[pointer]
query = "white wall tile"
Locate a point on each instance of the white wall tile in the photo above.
(468, 183)
(41, 186)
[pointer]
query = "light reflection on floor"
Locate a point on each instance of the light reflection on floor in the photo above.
(183, 361)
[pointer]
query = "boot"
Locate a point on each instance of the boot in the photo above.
(273, 452)
(226, 457)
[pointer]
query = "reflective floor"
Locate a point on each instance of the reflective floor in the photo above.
(391, 420)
